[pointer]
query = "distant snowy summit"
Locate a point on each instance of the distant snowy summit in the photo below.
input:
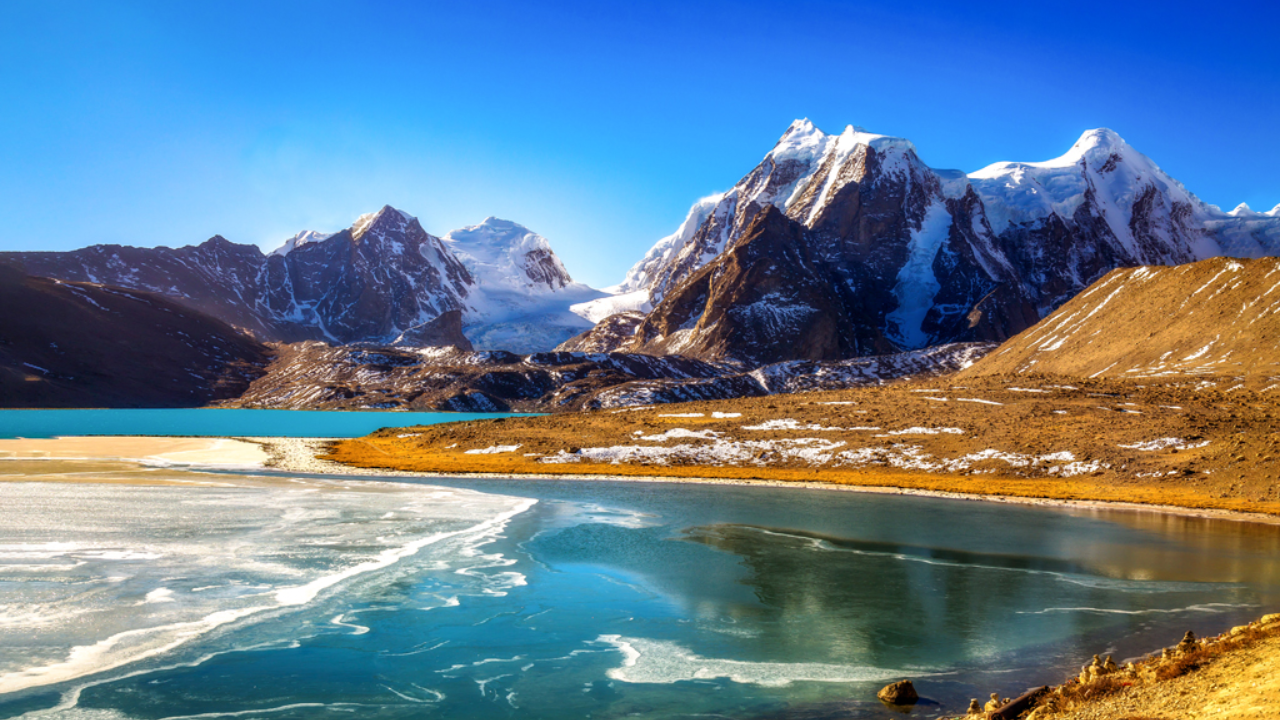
(383, 280)
(847, 245)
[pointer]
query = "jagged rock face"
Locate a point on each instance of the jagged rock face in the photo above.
(886, 253)
(444, 331)
(383, 279)
(608, 335)
(373, 282)
(65, 344)
(869, 259)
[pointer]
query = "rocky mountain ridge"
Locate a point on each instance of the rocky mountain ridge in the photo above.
(383, 280)
(843, 245)
(314, 375)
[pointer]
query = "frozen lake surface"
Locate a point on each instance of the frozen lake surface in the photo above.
(276, 597)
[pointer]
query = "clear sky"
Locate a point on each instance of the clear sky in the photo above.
(596, 124)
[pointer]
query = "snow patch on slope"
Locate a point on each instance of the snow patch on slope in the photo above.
(302, 238)
(917, 284)
(523, 295)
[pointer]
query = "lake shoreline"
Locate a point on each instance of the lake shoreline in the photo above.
(300, 455)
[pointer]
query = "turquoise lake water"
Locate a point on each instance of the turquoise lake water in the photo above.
(270, 595)
(215, 422)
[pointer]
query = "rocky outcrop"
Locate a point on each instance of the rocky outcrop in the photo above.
(71, 344)
(444, 330)
(317, 375)
(607, 335)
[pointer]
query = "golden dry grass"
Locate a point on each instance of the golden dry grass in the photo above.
(1236, 471)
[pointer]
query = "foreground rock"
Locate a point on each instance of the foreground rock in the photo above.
(1235, 675)
(899, 693)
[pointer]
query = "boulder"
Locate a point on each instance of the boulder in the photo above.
(899, 693)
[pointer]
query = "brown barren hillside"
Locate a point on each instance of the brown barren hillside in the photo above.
(1216, 318)
(79, 344)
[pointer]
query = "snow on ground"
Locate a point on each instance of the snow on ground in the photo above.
(680, 433)
(721, 451)
(1165, 444)
(924, 431)
(789, 424)
(601, 308)
(493, 450)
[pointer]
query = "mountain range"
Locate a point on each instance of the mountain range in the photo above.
(832, 247)
(847, 245)
(383, 280)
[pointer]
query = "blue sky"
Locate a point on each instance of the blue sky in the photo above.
(594, 124)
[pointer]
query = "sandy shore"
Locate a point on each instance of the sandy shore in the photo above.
(210, 452)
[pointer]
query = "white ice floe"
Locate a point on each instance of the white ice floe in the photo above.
(662, 662)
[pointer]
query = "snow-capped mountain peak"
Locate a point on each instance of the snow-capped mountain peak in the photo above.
(522, 291)
(1243, 210)
(505, 253)
(380, 223)
(801, 141)
(302, 238)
